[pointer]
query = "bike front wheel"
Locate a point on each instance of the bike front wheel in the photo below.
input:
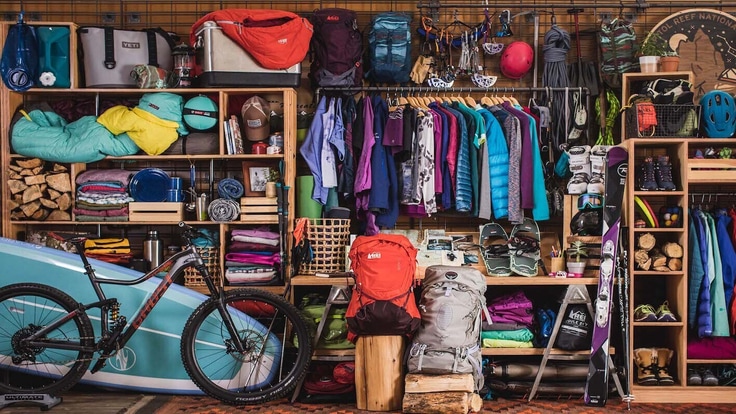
(277, 347)
(25, 308)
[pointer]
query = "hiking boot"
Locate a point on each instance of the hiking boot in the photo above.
(647, 182)
(645, 366)
(662, 358)
(596, 185)
(663, 174)
(709, 379)
(645, 313)
(664, 314)
(693, 377)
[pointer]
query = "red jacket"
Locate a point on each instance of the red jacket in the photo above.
(276, 39)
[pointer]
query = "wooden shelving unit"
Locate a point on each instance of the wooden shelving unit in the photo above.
(672, 285)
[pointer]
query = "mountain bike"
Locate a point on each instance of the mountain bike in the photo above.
(240, 346)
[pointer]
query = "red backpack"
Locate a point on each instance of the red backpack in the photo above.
(382, 302)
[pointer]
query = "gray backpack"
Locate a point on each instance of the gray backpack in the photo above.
(448, 339)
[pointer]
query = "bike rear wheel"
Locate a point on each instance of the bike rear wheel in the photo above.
(25, 308)
(277, 345)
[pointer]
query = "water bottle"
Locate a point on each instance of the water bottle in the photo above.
(153, 249)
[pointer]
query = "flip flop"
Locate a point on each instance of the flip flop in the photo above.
(525, 248)
(495, 255)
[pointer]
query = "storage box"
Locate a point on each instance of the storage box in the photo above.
(659, 120)
(159, 211)
(226, 63)
(259, 210)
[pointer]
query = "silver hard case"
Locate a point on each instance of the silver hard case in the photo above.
(226, 63)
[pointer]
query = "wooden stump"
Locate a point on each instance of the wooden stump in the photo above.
(379, 372)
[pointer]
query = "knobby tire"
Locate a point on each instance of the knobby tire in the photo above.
(25, 307)
(258, 375)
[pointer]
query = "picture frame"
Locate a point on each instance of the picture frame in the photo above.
(255, 176)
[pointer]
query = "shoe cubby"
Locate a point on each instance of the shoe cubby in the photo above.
(657, 167)
(656, 291)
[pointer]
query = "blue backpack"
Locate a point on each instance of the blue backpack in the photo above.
(389, 42)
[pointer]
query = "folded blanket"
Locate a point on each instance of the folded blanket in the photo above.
(102, 213)
(250, 239)
(112, 175)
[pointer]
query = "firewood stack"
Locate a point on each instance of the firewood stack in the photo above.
(440, 394)
(649, 256)
(39, 190)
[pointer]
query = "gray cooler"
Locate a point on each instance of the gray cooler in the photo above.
(226, 63)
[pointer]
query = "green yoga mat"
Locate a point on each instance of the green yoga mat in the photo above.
(305, 206)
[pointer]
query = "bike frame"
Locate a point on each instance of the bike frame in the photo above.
(176, 264)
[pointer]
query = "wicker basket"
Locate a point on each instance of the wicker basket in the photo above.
(328, 238)
(211, 258)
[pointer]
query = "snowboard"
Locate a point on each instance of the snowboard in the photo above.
(596, 387)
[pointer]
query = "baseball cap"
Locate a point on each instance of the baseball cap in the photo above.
(255, 113)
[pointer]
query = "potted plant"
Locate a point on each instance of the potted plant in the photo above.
(653, 49)
(576, 255)
(272, 179)
(669, 61)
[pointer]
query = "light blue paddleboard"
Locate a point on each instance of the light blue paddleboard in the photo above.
(151, 360)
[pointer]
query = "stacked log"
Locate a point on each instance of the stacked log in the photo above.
(440, 394)
(39, 190)
(661, 258)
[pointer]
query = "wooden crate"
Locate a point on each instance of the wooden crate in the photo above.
(259, 210)
(159, 211)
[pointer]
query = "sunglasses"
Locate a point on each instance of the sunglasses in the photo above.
(586, 201)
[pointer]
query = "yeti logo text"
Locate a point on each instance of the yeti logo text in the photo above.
(374, 255)
(131, 45)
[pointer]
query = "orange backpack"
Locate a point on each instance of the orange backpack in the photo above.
(382, 302)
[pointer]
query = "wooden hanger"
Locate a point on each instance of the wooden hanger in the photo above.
(470, 101)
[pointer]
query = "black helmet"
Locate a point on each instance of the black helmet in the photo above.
(587, 223)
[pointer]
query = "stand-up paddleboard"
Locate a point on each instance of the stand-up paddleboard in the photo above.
(151, 360)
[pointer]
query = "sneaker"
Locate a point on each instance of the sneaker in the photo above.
(709, 379)
(596, 184)
(647, 182)
(645, 313)
(664, 315)
(578, 184)
(693, 377)
(663, 174)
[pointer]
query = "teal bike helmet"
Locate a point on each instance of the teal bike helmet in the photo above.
(719, 114)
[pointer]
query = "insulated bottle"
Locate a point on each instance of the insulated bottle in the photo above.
(153, 249)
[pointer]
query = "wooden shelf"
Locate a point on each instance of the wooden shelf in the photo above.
(682, 394)
(310, 280)
(676, 193)
(677, 324)
(536, 351)
(711, 361)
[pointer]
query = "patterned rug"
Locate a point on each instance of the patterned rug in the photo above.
(205, 405)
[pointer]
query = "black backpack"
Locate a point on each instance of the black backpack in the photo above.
(336, 48)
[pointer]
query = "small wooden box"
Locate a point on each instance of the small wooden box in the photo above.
(259, 210)
(161, 211)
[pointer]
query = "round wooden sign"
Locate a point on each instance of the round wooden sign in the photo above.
(705, 41)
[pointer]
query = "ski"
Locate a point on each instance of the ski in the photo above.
(596, 386)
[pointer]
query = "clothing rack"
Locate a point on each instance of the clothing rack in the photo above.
(428, 89)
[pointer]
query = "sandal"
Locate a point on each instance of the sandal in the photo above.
(495, 255)
(524, 245)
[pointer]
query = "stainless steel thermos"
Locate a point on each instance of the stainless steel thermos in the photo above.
(153, 249)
